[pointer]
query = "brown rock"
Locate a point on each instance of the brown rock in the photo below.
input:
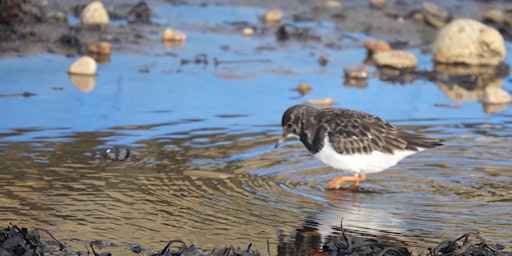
(377, 3)
(323, 60)
(469, 41)
(101, 48)
(376, 45)
(304, 88)
(396, 59)
(494, 15)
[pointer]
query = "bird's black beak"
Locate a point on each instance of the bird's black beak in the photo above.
(280, 141)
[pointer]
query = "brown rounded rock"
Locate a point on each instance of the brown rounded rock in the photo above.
(376, 45)
(396, 59)
(101, 48)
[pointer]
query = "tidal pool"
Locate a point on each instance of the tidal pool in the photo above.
(202, 166)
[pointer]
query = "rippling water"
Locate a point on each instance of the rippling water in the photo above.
(202, 166)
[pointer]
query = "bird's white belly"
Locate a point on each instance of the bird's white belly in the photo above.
(367, 163)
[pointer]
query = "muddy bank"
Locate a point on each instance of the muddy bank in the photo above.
(29, 27)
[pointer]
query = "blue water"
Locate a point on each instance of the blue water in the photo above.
(202, 142)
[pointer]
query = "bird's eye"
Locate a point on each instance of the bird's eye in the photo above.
(289, 125)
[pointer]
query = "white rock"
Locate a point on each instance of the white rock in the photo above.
(470, 42)
(396, 59)
(84, 66)
(94, 14)
(170, 34)
(272, 16)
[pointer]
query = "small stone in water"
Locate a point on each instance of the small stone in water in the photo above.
(356, 71)
(304, 88)
(396, 59)
(376, 45)
(323, 60)
(83, 66)
(272, 16)
(248, 31)
(170, 34)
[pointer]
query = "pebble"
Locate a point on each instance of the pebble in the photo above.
(494, 15)
(83, 66)
(304, 88)
(396, 58)
(170, 34)
(248, 31)
(325, 102)
(333, 4)
(323, 60)
(435, 15)
(377, 3)
(272, 16)
(101, 48)
(469, 41)
(95, 14)
(357, 71)
(376, 45)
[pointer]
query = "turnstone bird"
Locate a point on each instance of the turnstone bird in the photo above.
(350, 140)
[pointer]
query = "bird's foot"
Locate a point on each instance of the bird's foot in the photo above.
(339, 181)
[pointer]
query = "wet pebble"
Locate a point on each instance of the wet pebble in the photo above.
(95, 14)
(396, 58)
(248, 31)
(377, 3)
(304, 88)
(170, 34)
(494, 15)
(435, 15)
(323, 60)
(272, 16)
(325, 102)
(357, 71)
(469, 41)
(376, 45)
(101, 48)
(83, 66)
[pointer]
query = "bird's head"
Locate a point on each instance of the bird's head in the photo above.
(293, 121)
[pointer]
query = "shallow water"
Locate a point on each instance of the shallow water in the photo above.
(202, 166)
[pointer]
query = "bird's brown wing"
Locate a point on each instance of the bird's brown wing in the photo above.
(353, 132)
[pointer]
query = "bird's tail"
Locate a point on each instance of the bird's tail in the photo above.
(418, 142)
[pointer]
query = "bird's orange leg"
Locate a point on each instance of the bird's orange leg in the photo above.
(338, 181)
